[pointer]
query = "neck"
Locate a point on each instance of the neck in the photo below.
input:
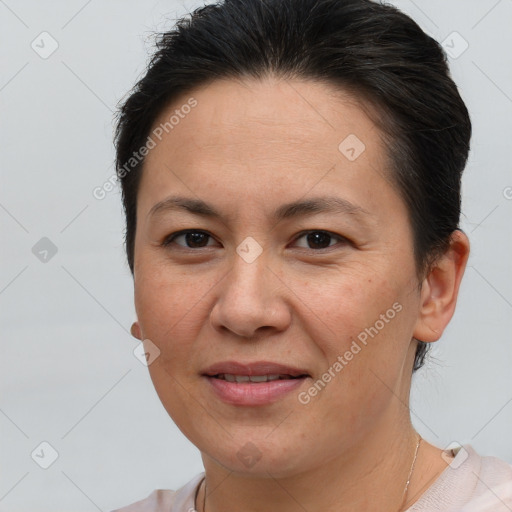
(375, 470)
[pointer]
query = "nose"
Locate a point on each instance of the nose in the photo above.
(251, 300)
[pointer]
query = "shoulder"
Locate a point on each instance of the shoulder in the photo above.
(493, 486)
(164, 500)
(158, 500)
(471, 483)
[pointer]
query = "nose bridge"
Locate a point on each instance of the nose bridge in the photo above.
(248, 276)
(248, 297)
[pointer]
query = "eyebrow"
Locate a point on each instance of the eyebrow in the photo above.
(325, 204)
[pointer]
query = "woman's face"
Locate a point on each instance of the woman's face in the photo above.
(327, 287)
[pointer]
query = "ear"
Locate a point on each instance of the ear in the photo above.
(136, 331)
(440, 289)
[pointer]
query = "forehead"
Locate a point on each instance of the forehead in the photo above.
(244, 114)
(273, 135)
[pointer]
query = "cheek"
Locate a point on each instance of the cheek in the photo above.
(353, 302)
(367, 325)
(170, 306)
(164, 293)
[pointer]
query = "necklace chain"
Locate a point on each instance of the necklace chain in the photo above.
(405, 493)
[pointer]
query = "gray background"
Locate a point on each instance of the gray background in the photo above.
(68, 373)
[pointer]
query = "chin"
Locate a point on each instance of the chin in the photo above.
(257, 456)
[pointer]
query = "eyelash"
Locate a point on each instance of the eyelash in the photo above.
(170, 239)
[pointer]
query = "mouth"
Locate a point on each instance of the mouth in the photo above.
(253, 384)
(258, 369)
(229, 377)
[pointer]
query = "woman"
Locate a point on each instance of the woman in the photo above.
(291, 181)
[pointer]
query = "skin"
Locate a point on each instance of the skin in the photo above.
(247, 148)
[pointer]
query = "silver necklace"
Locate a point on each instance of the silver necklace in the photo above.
(404, 494)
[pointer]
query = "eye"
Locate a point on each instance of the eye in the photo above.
(320, 239)
(197, 239)
(193, 239)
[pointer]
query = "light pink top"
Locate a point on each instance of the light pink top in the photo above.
(471, 483)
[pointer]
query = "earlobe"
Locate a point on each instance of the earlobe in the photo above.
(136, 331)
(440, 289)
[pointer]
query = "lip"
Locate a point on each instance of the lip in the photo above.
(254, 368)
(253, 393)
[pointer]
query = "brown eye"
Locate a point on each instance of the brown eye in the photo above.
(192, 239)
(319, 239)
